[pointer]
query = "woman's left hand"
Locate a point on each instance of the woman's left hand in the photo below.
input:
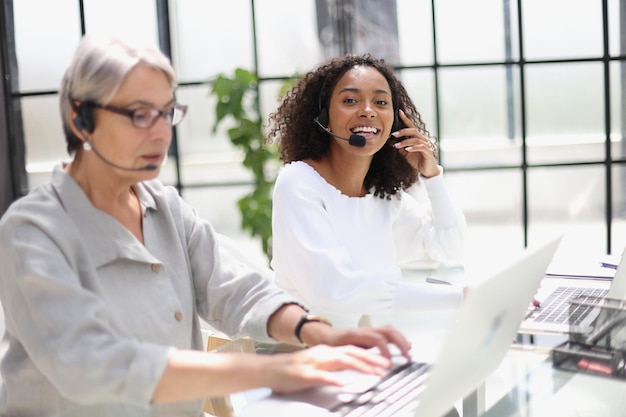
(420, 151)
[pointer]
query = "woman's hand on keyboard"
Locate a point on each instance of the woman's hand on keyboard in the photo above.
(318, 365)
(366, 337)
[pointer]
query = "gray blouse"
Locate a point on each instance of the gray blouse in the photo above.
(91, 314)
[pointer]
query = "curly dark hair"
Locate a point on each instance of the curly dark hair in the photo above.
(292, 126)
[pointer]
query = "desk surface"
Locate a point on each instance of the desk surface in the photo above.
(525, 384)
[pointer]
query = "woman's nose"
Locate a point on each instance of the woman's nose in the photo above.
(366, 110)
(163, 126)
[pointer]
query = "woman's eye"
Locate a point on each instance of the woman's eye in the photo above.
(141, 114)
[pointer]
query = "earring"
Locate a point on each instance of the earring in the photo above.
(87, 145)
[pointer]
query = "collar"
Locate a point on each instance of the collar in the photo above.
(104, 237)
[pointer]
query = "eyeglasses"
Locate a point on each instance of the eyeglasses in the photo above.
(146, 117)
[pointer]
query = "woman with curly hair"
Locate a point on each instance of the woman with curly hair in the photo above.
(361, 194)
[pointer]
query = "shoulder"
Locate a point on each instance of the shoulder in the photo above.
(298, 175)
(39, 216)
(297, 170)
(41, 200)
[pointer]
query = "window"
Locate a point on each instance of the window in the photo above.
(527, 103)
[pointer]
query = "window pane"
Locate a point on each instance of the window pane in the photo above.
(478, 119)
(614, 27)
(618, 96)
(619, 190)
(211, 37)
(43, 134)
(415, 32)
(132, 21)
(219, 206)
(565, 112)
(359, 26)
(167, 174)
(46, 33)
(420, 84)
(206, 157)
(568, 200)
(287, 37)
(270, 96)
(474, 31)
(490, 201)
(619, 208)
(562, 29)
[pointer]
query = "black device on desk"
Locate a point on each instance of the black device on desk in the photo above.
(596, 345)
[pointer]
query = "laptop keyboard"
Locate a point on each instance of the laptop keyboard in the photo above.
(395, 392)
(556, 308)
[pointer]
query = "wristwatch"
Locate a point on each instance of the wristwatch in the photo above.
(304, 320)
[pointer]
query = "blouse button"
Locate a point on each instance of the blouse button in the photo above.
(156, 267)
(178, 316)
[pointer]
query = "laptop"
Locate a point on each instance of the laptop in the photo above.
(554, 315)
(484, 328)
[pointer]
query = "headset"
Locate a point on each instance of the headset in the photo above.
(84, 117)
(84, 122)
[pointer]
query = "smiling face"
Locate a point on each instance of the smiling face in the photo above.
(361, 104)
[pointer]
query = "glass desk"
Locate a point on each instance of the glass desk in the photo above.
(525, 384)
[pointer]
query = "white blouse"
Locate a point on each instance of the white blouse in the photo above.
(342, 256)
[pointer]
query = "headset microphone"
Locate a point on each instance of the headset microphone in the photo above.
(89, 146)
(354, 140)
(322, 121)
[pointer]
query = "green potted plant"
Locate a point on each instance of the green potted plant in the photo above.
(238, 100)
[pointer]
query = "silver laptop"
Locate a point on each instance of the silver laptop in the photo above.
(485, 326)
(554, 315)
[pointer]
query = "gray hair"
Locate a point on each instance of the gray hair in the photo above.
(96, 73)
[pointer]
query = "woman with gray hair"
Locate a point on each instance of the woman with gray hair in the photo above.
(107, 272)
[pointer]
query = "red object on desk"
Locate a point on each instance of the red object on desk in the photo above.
(595, 367)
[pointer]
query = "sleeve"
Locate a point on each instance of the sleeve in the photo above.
(234, 292)
(441, 232)
(57, 324)
(309, 258)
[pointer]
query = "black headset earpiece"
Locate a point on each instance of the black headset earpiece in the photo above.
(322, 116)
(322, 119)
(84, 119)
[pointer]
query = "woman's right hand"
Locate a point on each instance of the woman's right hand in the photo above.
(291, 372)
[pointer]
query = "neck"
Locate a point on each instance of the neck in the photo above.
(347, 175)
(105, 191)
